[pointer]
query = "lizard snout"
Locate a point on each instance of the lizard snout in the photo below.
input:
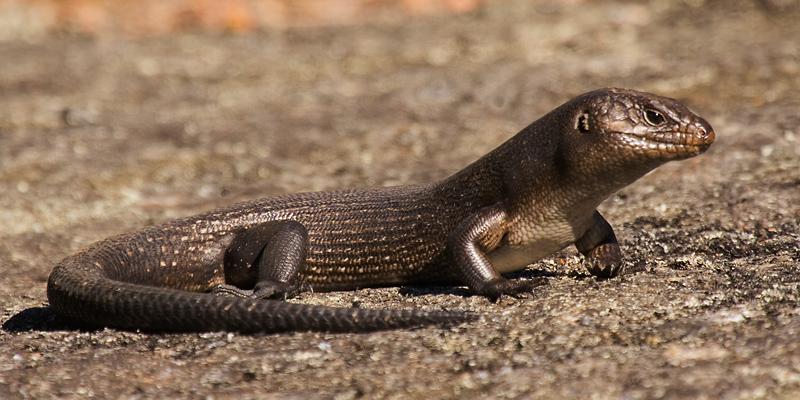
(703, 134)
(706, 133)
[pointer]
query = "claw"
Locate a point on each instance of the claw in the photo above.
(605, 261)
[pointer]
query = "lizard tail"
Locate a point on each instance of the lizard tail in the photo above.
(79, 291)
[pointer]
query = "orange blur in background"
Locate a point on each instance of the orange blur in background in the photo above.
(148, 17)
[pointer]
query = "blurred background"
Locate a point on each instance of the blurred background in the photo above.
(116, 114)
(25, 18)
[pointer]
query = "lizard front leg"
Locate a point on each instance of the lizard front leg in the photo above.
(468, 244)
(599, 245)
(272, 253)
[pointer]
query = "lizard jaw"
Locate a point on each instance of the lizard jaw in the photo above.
(669, 145)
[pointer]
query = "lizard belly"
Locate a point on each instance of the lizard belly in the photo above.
(510, 258)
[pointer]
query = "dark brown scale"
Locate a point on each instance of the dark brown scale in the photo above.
(522, 201)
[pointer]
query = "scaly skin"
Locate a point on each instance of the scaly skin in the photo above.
(532, 196)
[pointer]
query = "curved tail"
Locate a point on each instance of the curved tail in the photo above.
(83, 291)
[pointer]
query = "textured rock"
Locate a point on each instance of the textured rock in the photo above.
(173, 125)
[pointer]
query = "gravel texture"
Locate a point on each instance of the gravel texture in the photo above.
(104, 135)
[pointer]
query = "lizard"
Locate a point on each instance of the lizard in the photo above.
(232, 269)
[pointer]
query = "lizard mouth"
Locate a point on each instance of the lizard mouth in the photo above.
(669, 145)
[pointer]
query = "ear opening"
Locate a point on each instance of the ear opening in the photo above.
(582, 122)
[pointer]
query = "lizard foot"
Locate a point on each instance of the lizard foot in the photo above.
(605, 261)
(263, 290)
(504, 287)
(275, 290)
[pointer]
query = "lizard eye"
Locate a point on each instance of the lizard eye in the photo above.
(654, 117)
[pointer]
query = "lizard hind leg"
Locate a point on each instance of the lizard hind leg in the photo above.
(264, 261)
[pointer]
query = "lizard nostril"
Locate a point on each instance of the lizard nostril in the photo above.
(706, 133)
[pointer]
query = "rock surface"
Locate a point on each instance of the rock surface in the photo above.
(102, 135)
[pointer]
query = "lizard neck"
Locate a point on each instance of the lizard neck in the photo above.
(477, 185)
(542, 169)
(525, 170)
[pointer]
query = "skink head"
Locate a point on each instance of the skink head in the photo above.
(642, 125)
(618, 135)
